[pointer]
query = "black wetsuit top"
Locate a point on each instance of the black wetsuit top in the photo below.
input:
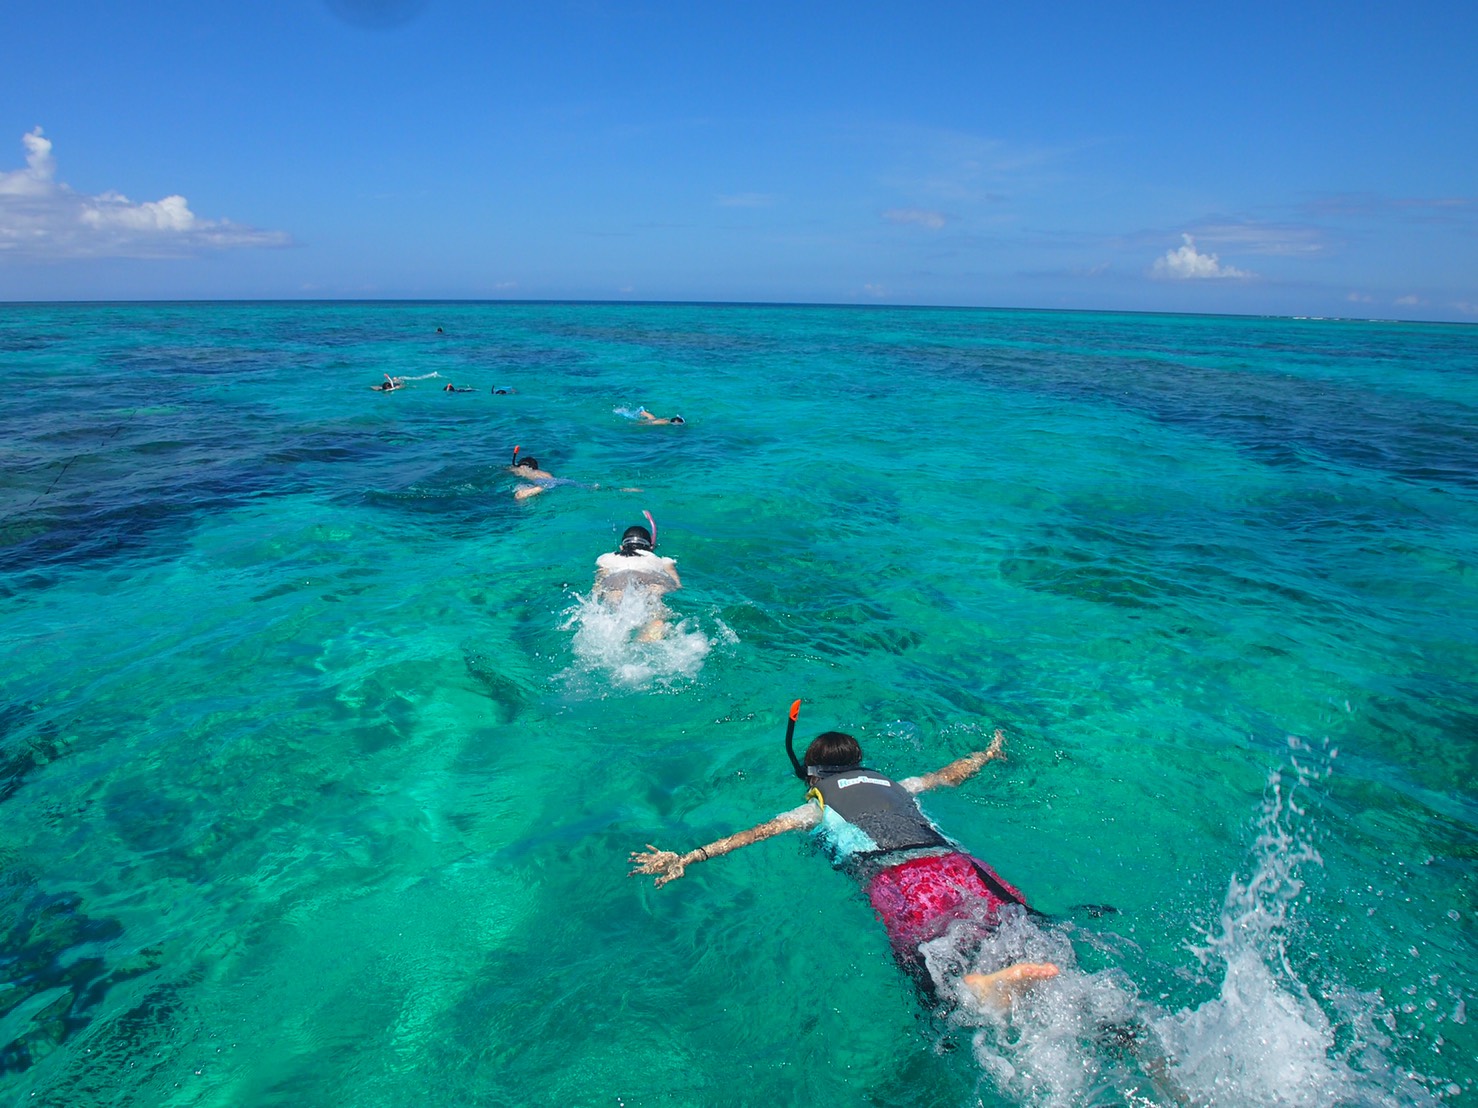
(882, 809)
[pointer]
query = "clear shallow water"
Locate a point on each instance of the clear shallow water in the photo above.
(318, 772)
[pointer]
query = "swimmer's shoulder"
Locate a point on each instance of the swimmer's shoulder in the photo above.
(807, 815)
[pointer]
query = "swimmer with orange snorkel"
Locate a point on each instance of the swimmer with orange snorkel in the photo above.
(917, 881)
(537, 480)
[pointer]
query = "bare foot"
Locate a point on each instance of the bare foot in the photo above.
(999, 988)
(653, 631)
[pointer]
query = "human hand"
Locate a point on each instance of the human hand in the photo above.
(663, 863)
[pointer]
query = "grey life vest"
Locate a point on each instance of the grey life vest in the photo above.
(879, 807)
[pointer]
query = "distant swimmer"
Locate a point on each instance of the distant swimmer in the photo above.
(439, 331)
(528, 469)
(503, 390)
(458, 388)
(917, 881)
(390, 384)
(537, 480)
(634, 568)
(647, 417)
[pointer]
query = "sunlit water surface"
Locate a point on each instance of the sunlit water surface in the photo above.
(320, 766)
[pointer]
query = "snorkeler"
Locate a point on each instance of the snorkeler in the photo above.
(449, 387)
(528, 469)
(917, 881)
(647, 417)
(390, 385)
(503, 390)
(635, 568)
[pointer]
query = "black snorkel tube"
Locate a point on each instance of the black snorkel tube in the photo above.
(800, 770)
(514, 463)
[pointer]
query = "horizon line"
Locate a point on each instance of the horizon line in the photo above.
(848, 306)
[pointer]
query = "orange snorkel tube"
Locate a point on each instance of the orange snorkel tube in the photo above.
(800, 770)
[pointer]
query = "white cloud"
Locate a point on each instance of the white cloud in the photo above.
(41, 217)
(1186, 263)
(918, 216)
(1409, 301)
(1360, 298)
(35, 179)
(1279, 239)
(113, 210)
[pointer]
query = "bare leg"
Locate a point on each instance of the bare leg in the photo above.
(998, 989)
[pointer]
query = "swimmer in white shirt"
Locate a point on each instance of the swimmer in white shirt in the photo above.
(635, 565)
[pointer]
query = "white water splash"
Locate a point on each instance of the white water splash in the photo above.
(611, 639)
(1263, 1039)
(1050, 1048)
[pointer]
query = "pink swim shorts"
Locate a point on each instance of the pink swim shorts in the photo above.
(918, 899)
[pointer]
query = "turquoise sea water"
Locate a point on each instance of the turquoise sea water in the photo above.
(319, 771)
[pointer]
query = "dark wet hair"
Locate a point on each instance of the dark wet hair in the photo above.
(634, 539)
(532, 463)
(833, 748)
(678, 419)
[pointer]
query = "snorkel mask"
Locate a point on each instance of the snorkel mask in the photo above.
(639, 539)
(635, 539)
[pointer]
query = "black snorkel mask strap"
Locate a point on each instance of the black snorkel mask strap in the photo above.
(800, 770)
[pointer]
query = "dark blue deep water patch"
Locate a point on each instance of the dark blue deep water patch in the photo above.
(1276, 415)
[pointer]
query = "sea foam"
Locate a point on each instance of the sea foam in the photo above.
(1264, 1038)
(608, 639)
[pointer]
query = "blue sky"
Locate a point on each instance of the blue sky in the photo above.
(1284, 158)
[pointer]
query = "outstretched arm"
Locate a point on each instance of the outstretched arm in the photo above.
(667, 866)
(959, 771)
